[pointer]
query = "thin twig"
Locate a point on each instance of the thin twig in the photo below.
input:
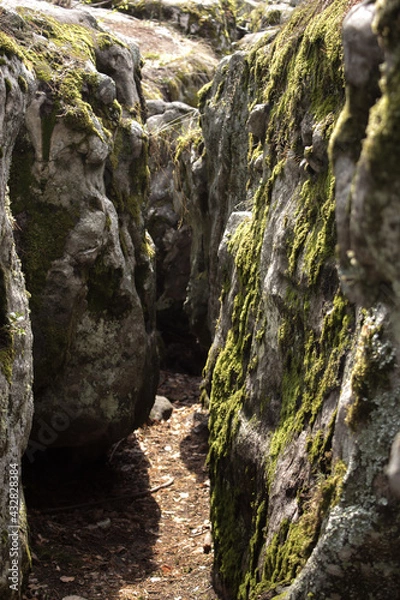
(142, 494)
(115, 448)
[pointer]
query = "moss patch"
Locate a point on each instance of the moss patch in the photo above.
(228, 394)
(313, 237)
(291, 546)
(58, 54)
(312, 369)
(43, 227)
(305, 61)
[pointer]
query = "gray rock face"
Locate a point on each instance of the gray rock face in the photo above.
(302, 385)
(16, 402)
(393, 470)
(78, 186)
(210, 188)
(167, 124)
(257, 122)
(121, 64)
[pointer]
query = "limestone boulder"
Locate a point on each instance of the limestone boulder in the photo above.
(162, 409)
(175, 67)
(78, 187)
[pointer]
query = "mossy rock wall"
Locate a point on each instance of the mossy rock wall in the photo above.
(302, 383)
(78, 187)
(16, 401)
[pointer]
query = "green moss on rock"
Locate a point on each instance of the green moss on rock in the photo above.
(300, 76)
(291, 546)
(46, 226)
(58, 54)
(309, 53)
(9, 47)
(312, 369)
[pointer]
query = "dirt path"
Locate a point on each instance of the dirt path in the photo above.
(141, 529)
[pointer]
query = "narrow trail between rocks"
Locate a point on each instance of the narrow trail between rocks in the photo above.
(135, 527)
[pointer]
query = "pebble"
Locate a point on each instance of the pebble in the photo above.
(207, 544)
(162, 409)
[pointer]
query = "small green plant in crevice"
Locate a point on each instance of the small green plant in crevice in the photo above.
(11, 324)
(192, 138)
(16, 323)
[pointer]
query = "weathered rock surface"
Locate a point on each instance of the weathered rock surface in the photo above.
(175, 66)
(16, 402)
(212, 184)
(168, 124)
(302, 378)
(393, 470)
(209, 19)
(78, 188)
(302, 384)
(363, 56)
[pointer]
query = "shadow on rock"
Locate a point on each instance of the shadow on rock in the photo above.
(90, 523)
